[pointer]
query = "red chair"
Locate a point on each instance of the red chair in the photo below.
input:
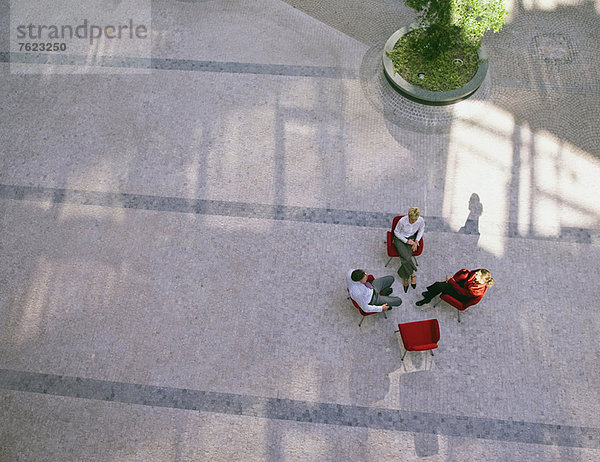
(391, 248)
(460, 306)
(419, 335)
(370, 278)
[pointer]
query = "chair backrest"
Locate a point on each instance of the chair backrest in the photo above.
(458, 304)
(359, 308)
(419, 333)
(395, 222)
(370, 278)
(472, 301)
(436, 330)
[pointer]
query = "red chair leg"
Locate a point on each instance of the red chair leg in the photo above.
(405, 351)
(388, 262)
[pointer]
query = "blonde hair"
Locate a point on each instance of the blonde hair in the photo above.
(485, 277)
(413, 213)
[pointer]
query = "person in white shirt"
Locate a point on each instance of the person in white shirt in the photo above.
(407, 234)
(371, 296)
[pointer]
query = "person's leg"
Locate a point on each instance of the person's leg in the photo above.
(391, 301)
(436, 288)
(449, 290)
(382, 283)
(379, 300)
(407, 267)
(433, 290)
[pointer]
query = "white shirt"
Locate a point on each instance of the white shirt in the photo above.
(361, 294)
(404, 229)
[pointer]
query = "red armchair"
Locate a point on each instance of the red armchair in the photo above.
(419, 335)
(460, 306)
(391, 248)
(364, 314)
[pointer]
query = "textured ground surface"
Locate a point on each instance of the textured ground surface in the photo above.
(174, 242)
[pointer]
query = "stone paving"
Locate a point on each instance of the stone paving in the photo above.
(176, 231)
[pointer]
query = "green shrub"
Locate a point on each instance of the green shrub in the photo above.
(469, 18)
(444, 51)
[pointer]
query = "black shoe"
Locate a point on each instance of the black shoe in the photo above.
(405, 289)
(390, 308)
(414, 286)
(422, 302)
(386, 291)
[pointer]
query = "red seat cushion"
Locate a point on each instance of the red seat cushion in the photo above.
(420, 335)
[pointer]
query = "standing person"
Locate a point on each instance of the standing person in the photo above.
(371, 296)
(407, 234)
(463, 285)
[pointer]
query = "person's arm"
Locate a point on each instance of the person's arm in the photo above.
(458, 278)
(458, 289)
(420, 231)
(362, 298)
(370, 308)
(399, 230)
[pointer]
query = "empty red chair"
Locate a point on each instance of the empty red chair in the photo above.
(370, 278)
(391, 248)
(460, 306)
(419, 335)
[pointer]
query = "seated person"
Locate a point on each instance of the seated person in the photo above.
(407, 234)
(371, 296)
(464, 285)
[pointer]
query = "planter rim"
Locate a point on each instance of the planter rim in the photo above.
(427, 96)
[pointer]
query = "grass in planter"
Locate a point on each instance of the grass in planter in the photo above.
(446, 62)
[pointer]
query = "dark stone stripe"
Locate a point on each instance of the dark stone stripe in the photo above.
(61, 59)
(250, 210)
(301, 411)
(178, 65)
(197, 206)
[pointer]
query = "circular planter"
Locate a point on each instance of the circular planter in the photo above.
(420, 95)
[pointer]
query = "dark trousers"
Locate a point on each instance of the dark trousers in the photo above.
(378, 285)
(407, 265)
(440, 287)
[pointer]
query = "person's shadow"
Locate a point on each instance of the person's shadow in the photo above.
(471, 226)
